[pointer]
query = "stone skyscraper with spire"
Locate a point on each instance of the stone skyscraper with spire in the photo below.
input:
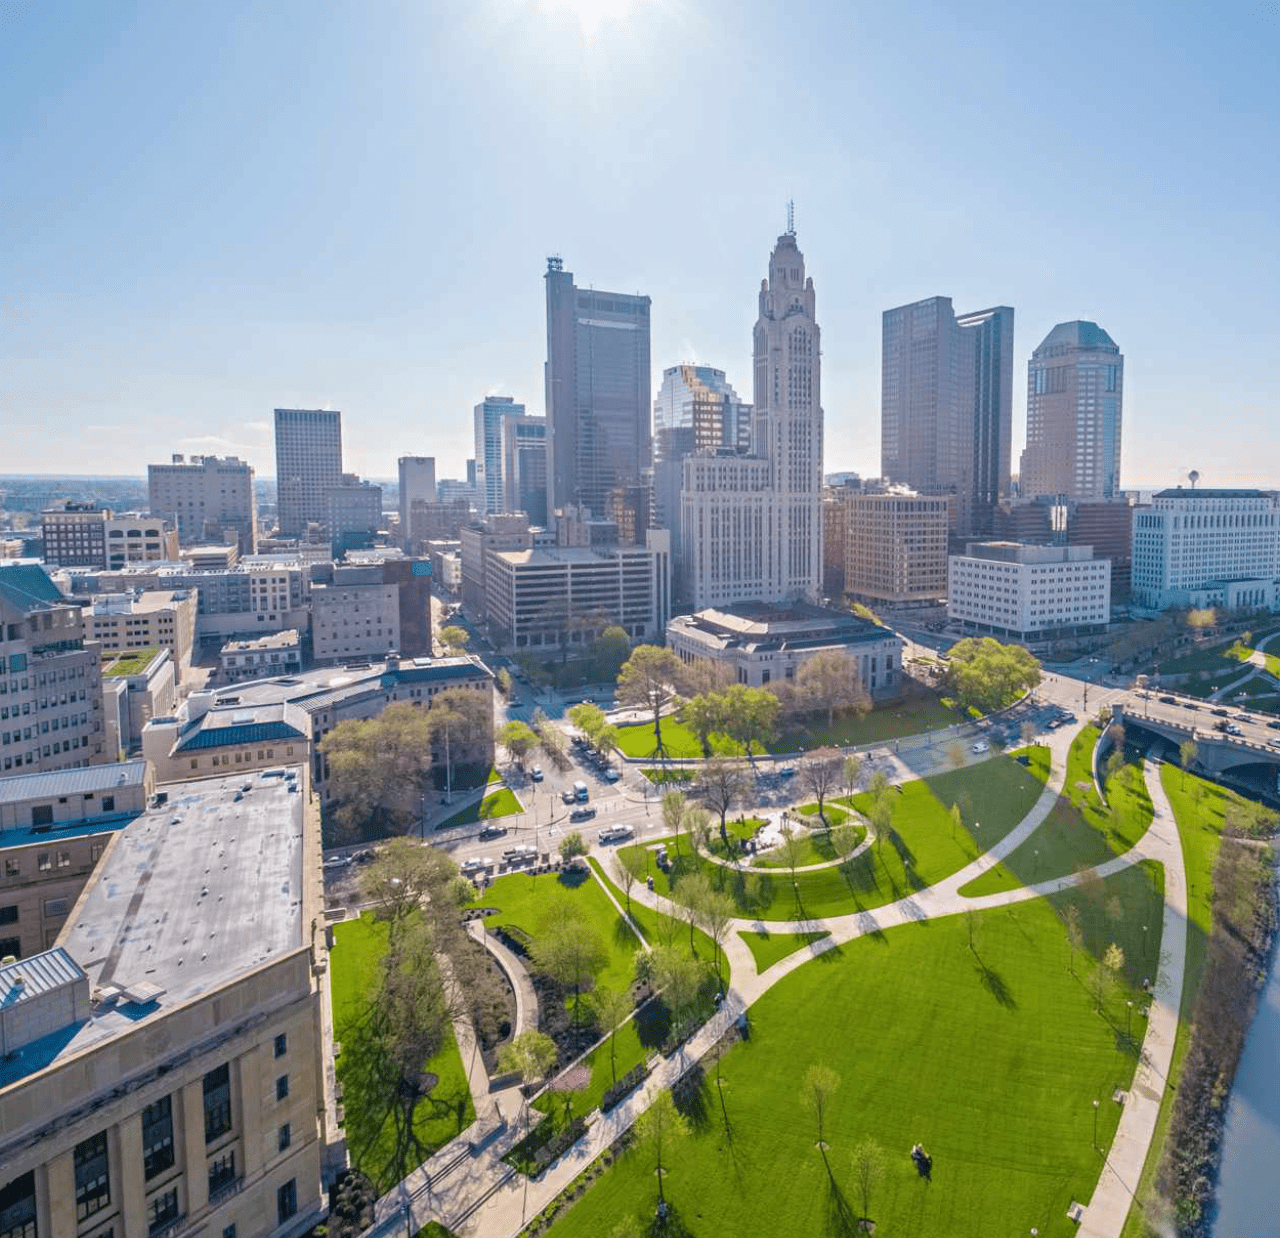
(751, 525)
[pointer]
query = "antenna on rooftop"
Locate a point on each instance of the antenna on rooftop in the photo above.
(791, 217)
(555, 263)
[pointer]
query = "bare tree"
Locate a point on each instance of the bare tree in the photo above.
(613, 1007)
(820, 775)
(716, 915)
(829, 683)
(724, 784)
(792, 849)
(694, 891)
(868, 1169)
(820, 1085)
(851, 774)
(658, 1129)
(625, 874)
(1075, 934)
(1188, 755)
(674, 806)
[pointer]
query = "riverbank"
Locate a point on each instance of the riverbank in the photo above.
(1237, 958)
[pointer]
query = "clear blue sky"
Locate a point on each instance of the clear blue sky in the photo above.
(209, 210)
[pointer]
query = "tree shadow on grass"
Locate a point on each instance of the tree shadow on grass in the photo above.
(995, 983)
(622, 934)
(653, 1024)
(841, 1219)
(670, 1226)
(692, 1095)
(908, 859)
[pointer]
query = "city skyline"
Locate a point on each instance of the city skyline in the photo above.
(160, 308)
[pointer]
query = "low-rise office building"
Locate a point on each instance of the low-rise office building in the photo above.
(547, 598)
(371, 609)
(136, 687)
(1029, 592)
(895, 546)
(1207, 548)
(146, 619)
(53, 830)
(50, 678)
(767, 644)
(86, 535)
(164, 1070)
(277, 654)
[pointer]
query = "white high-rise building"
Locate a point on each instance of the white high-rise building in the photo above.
(1207, 548)
(751, 526)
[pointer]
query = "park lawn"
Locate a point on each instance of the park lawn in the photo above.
(920, 848)
(986, 1056)
(893, 720)
(1200, 829)
(660, 777)
(500, 803)
(358, 947)
(831, 815)
(1080, 831)
(741, 830)
(1212, 658)
(527, 902)
(636, 1041)
(1038, 760)
(815, 849)
(767, 948)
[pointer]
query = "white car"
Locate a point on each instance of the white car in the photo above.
(982, 746)
(337, 861)
(611, 775)
(476, 864)
(536, 773)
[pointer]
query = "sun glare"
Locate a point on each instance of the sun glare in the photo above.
(591, 15)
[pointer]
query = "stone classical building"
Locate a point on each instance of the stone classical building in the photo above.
(164, 1070)
(765, 645)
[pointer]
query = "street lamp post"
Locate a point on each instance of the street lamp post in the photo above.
(1095, 1125)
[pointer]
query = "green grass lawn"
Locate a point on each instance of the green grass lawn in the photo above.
(893, 720)
(987, 1055)
(922, 847)
(814, 849)
(1198, 807)
(1080, 831)
(659, 777)
(132, 663)
(527, 902)
(500, 803)
(767, 948)
(358, 946)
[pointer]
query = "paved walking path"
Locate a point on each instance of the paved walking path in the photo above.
(1109, 1207)
(485, 1197)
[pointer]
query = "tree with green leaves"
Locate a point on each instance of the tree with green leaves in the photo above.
(844, 840)
(1188, 755)
(658, 1130)
(626, 872)
(694, 891)
(650, 680)
(454, 638)
(674, 806)
(679, 977)
(1075, 934)
(531, 1055)
(380, 768)
(851, 774)
(750, 716)
(506, 685)
(571, 953)
(406, 881)
(572, 846)
(551, 740)
(462, 729)
(985, 675)
(704, 714)
(957, 820)
(519, 739)
(820, 1085)
(609, 651)
(612, 1008)
(589, 719)
(792, 851)
(716, 915)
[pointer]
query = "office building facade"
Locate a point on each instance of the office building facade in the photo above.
(1075, 401)
(524, 466)
(598, 397)
(417, 477)
(207, 498)
(85, 535)
(946, 406)
(1207, 548)
(352, 513)
(487, 421)
(308, 462)
(895, 546)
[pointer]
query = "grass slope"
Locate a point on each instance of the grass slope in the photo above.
(988, 1056)
(500, 803)
(767, 948)
(1081, 831)
(358, 946)
(921, 848)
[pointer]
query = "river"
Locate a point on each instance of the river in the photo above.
(1251, 1146)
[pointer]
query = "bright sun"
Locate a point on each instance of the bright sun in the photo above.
(590, 15)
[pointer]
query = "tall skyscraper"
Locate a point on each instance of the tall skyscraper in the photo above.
(750, 526)
(1075, 395)
(697, 410)
(597, 391)
(206, 498)
(488, 418)
(524, 466)
(946, 405)
(417, 485)
(308, 462)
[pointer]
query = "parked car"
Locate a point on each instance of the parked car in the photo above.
(519, 855)
(1167, 700)
(536, 773)
(981, 746)
(566, 797)
(787, 771)
(1274, 741)
(611, 775)
(1275, 726)
(337, 861)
